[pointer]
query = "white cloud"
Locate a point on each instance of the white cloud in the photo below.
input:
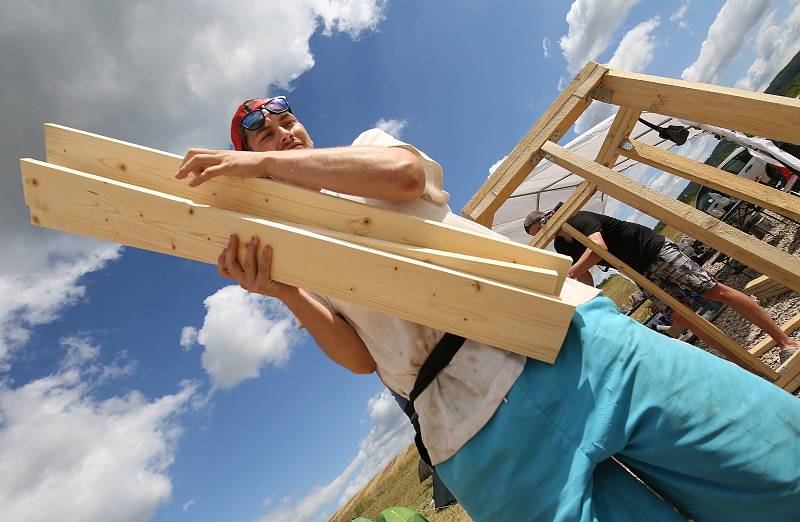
(394, 127)
(634, 53)
(67, 456)
(187, 505)
(592, 24)
(726, 38)
(546, 47)
(133, 71)
(777, 42)
(241, 333)
(391, 433)
(497, 164)
(679, 14)
(188, 337)
(36, 295)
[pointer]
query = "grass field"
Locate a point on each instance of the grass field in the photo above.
(398, 485)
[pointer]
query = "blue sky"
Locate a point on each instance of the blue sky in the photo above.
(136, 386)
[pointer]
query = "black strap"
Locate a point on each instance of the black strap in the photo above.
(440, 356)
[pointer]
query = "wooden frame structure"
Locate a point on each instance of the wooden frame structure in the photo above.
(488, 289)
(760, 114)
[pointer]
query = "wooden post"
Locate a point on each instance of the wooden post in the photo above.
(755, 113)
(553, 124)
(698, 324)
(620, 129)
(731, 241)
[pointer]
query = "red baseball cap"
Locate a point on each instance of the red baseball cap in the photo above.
(276, 105)
(244, 108)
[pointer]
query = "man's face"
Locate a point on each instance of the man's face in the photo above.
(280, 132)
(534, 229)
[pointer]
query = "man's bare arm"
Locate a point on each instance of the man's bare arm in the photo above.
(388, 173)
(588, 259)
(335, 336)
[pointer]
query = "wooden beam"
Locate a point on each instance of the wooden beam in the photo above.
(768, 342)
(760, 256)
(698, 324)
(153, 169)
(731, 184)
(553, 124)
(758, 284)
(477, 308)
(754, 113)
(790, 373)
(620, 129)
(530, 278)
(574, 203)
(764, 287)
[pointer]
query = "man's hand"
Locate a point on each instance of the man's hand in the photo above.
(205, 164)
(255, 275)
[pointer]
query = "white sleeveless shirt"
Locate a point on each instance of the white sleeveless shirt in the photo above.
(466, 393)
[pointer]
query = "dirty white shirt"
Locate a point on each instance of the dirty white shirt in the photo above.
(466, 393)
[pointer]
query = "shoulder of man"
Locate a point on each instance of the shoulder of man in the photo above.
(433, 171)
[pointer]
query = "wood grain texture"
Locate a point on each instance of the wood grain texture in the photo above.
(698, 324)
(536, 279)
(477, 308)
(731, 184)
(153, 169)
(760, 256)
(754, 113)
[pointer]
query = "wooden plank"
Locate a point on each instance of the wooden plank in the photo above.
(477, 308)
(552, 125)
(536, 279)
(755, 113)
(153, 169)
(620, 129)
(768, 342)
(790, 373)
(574, 203)
(764, 287)
(758, 284)
(731, 184)
(760, 256)
(698, 324)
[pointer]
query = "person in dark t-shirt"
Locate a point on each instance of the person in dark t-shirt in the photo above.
(661, 261)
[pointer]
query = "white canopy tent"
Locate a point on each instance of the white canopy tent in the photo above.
(549, 184)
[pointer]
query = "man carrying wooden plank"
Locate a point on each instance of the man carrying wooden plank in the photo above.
(514, 435)
(661, 261)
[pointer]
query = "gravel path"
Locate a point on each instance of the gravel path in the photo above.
(781, 308)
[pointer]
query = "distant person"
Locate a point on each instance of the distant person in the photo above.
(661, 261)
(512, 437)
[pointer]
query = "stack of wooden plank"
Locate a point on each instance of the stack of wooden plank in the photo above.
(764, 287)
(494, 291)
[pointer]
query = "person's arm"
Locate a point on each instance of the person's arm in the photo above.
(588, 259)
(388, 173)
(335, 336)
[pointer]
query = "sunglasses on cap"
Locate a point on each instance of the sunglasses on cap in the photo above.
(255, 119)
